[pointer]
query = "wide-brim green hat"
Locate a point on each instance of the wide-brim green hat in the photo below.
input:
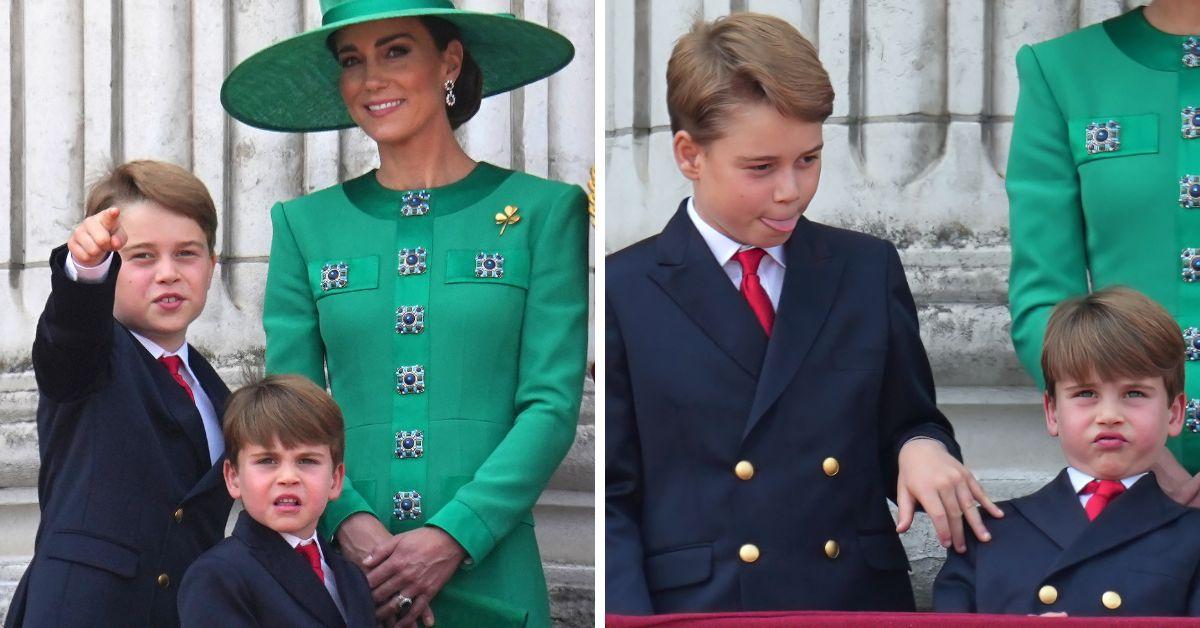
(293, 85)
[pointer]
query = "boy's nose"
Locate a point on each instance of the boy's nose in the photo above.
(788, 188)
(166, 272)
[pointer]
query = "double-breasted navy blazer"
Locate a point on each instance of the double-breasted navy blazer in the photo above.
(1045, 556)
(254, 578)
(127, 492)
(818, 412)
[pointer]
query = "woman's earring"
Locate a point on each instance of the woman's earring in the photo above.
(450, 98)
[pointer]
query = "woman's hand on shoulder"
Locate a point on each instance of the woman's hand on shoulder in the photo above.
(414, 565)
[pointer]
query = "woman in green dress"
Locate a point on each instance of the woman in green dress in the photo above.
(1104, 185)
(442, 300)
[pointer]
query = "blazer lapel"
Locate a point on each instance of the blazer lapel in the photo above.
(289, 569)
(691, 277)
(1139, 510)
(181, 408)
(809, 287)
(1054, 509)
(346, 591)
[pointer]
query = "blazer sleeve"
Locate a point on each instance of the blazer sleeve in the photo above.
(73, 347)
(294, 343)
(954, 587)
(213, 594)
(907, 403)
(549, 387)
(1049, 256)
(626, 591)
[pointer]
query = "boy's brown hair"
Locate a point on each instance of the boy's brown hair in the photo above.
(168, 185)
(286, 407)
(739, 59)
(1113, 333)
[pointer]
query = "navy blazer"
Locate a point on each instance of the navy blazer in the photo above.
(254, 578)
(127, 493)
(1143, 546)
(694, 387)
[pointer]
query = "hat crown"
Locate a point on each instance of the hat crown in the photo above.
(358, 8)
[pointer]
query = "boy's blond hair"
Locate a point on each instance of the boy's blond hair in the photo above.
(1110, 334)
(738, 59)
(286, 407)
(168, 185)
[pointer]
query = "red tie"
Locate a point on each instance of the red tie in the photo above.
(752, 288)
(309, 551)
(173, 364)
(1104, 492)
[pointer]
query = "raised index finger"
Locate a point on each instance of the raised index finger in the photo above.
(108, 219)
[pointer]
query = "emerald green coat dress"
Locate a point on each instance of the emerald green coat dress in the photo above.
(1109, 200)
(455, 352)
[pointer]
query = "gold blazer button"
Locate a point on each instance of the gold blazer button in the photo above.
(1048, 594)
(748, 553)
(1111, 600)
(744, 470)
(832, 549)
(830, 466)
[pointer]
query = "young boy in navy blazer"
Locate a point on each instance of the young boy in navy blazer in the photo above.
(284, 439)
(128, 415)
(767, 389)
(1101, 538)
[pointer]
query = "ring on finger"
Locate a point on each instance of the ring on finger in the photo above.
(403, 603)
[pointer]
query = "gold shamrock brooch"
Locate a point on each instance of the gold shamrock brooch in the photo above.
(507, 217)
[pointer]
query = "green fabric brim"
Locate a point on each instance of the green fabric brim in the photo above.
(293, 85)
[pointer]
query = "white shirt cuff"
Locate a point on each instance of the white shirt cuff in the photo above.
(87, 274)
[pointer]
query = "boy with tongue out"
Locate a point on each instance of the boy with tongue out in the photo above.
(1101, 538)
(285, 439)
(767, 388)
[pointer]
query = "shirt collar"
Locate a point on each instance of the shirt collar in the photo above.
(1079, 479)
(157, 351)
(722, 246)
(294, 540)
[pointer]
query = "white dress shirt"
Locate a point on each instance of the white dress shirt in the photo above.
(208, 415)
(1079, 479)
(330, 581)
(770, 270)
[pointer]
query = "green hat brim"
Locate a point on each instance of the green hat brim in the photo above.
(293, 85)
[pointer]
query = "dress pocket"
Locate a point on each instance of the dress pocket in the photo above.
(339, 275)
(1137, 135)
(488, 266)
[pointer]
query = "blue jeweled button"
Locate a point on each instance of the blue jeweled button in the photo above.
(410, 444)
(410, 319)
(1191, 52)
(415, 203)
(1190, 258)
(1191, 421)
(410, 380)
(1102, 137)
(406, 505)
(412, 261)
(489, 265)
(334, 275)
(1189, 126)
(1189, 191)
(1191, 344)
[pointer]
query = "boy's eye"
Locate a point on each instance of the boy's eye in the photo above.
(265, 460)
(1085, 393)
(1136, 393)
(810, 159)
(307, 460)
(760, 167)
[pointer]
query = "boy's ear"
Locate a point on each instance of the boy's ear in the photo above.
(231, 480)
(1177, 409)
(339, 476)
(1051, 416)
(687, 154)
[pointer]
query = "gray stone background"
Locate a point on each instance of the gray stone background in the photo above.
(915, 152)
(88, 83)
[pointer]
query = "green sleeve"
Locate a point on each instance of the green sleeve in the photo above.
(294, 342)
(1049, 256)
(550, 385)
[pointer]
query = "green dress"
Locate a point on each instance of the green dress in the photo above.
(1116, 211)
(455, 352)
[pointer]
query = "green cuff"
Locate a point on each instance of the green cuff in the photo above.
(340, 509)
(464, 526)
